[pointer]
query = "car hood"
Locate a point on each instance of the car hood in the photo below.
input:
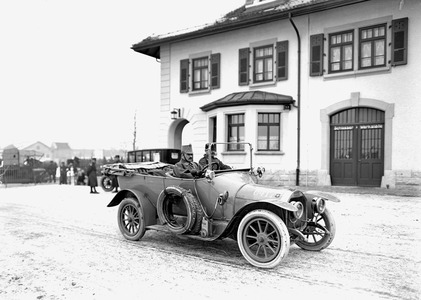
(279, 196)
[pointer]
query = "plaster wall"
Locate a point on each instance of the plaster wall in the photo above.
(394, 87)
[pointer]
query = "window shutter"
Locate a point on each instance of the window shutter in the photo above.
(282, 60)
(243, 66)
(184, 76)
(316, 54)
(399, 42)
(215, 70)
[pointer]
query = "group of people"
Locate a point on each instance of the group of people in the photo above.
(187, 168)
(68, 172)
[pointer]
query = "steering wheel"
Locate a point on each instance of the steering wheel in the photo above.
(211, 164)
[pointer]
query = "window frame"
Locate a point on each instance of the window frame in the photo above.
(203, 83)
(388, 20)
(268, 126)
(372, 41)
(341, 45)
(263, 58)
(238, 126)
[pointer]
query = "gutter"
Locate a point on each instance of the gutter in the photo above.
(298, 106)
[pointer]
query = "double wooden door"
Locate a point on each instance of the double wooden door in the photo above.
(357, 147)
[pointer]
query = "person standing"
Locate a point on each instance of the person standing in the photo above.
(114, 178)
(63, 173)
(52, 169)
(92, 176)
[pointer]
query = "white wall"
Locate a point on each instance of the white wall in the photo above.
(398, 85)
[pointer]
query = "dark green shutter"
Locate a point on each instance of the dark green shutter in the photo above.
(282, 60)
(399, 42)
(215, 70)
(243, 66)
(184, 76)
(316, 54)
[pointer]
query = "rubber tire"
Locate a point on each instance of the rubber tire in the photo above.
(277, 224)
(131, 207)
(326, 240)
(106, 188)
(193, 208)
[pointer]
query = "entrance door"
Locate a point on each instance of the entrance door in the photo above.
(357, 147)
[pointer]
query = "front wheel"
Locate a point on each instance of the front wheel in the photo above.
(130, 219)
(263, 239)
(320, 232)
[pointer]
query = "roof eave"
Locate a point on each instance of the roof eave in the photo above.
(213, 105)
(151, 46)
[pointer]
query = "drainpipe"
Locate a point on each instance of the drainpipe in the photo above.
(297, 170)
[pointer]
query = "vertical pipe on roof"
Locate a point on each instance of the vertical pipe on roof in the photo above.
(297, 170)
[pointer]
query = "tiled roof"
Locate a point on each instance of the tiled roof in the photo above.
(247, 98)
(241, 18)
(61, 146)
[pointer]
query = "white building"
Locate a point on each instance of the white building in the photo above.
(328, 92)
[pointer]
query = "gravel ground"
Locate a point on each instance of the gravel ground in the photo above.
(60, 242)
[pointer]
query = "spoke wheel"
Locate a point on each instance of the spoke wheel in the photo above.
(107, 183)
(263, 239)
(130, 219)
(320, 232)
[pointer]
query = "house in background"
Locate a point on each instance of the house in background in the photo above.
(326, 91)
(44, 152)
(61, 152)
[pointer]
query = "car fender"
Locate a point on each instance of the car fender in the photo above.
(281, 204)
(274, 205)
(326, 196)
(149, 211)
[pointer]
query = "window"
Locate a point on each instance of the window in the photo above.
(236, 132)
(372, 47)
(263, 64)
(341, 52)
(268, 136)
(366, 46)
(200, 73)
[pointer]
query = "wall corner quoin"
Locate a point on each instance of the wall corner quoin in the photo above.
(323, 178)
(388, 180)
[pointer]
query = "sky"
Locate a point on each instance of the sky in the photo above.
(68, 73)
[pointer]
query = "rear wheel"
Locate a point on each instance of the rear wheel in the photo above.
(263, 239)
(320, 232)
(130, 219)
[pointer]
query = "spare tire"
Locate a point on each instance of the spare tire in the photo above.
(179, 210)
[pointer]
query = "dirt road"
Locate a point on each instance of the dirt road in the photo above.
(60, 242)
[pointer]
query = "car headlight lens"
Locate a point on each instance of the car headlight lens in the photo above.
(320, 205)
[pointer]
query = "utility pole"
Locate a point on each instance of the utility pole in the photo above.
(134, 131)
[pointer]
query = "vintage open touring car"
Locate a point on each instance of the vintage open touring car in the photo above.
(264, 220)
